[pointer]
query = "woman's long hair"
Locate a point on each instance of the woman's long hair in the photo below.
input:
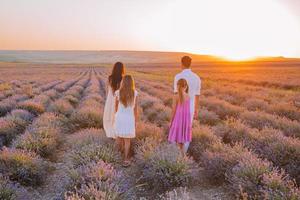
(182, 87)
(116, 76)
(127, 91)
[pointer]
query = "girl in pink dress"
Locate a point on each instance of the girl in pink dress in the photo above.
(181, 126)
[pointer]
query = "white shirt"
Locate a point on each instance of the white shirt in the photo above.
(194, 83)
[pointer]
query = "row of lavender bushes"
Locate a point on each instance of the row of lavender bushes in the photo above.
(24, 93)
(92, 159)
(247, 174)
(261, 99)
(269, 143)
(9, 89)
(39, 104)
(214, 110)
(18, 119)
(24, 162)
(44, 135)
(153, 110)
(16, 122)
(90, 109)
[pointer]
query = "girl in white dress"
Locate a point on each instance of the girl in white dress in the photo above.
(126, 114)
(114, 81)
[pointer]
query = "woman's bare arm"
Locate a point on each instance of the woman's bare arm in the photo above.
(106, 88)
(116, 104)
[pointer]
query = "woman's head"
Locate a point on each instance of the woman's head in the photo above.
(116, 76)
(127, 91)
(182, 88)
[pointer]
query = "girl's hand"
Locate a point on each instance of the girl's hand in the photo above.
(196, 114)
(174, 104)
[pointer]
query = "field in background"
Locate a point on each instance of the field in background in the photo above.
(245, 141)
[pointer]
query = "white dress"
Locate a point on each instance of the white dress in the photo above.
(109, 114)
(125, 119)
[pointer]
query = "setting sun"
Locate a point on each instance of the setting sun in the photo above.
(236, 57)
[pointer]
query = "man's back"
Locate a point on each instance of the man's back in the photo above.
(193, 80)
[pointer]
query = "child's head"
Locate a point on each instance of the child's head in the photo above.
(182, 88)
(127, 90)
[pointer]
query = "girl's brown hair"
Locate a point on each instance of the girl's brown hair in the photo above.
(182, 87)
(127, 91)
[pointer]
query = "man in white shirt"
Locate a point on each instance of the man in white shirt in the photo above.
(194, 83)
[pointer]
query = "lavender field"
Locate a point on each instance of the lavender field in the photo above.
(246, 141)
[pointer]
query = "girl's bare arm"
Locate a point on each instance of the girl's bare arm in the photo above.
(174, 105)
(136, 109)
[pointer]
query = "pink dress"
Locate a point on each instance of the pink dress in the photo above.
(181, 126)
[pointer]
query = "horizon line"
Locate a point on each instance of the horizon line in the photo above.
(158, 51)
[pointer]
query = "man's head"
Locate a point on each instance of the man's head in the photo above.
(186, 62)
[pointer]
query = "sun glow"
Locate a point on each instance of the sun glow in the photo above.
(236, 29)
(238, 57)
(232, 29)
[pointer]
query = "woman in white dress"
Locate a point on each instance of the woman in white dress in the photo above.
(114, 81)
(126, 114)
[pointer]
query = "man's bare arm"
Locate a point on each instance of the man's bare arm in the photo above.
(197, 97)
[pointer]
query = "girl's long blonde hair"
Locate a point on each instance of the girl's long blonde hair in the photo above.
(127, 91)
(182, 88)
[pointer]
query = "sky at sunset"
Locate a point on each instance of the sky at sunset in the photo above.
(236, 29)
